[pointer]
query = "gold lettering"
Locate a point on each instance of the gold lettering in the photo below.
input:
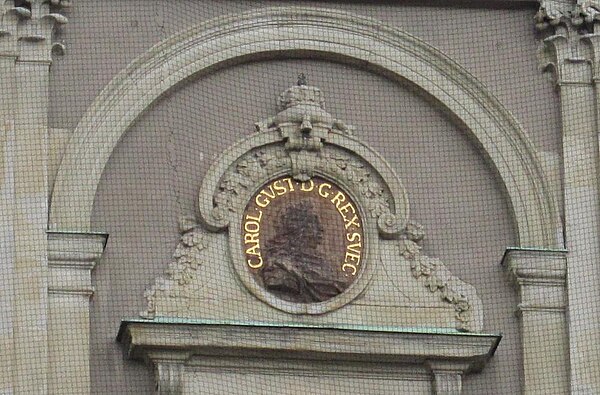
(251, 238)
(353, 237)
(350, 257)
(263, 202)
(252, 222)
(266, 192)
(355, 248)
(279, 188)
(353, 221)
(252, 228)
(290, 183)
(323, 193)
(338, 199)
(307, 188)
(353, 253)
(346, 208)
(255, 226)
(351, 266)
(257, 219)
(254, 250)
(256, 265)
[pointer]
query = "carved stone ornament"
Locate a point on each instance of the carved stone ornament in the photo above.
(27, 26)
(304, 217)
(586, 13)
(553, 13)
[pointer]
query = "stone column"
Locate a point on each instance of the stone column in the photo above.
(580, 191)
(540, 276)
(566, 53)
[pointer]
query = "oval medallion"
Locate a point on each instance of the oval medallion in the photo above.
(303, 241)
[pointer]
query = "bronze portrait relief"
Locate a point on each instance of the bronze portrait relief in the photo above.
(303, 241)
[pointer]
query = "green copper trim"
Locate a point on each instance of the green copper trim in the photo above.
(340, 326)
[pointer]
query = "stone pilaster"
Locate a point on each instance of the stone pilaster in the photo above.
(571, 52)
(71, 259)
(26, 44)
(540, 276)
(9, 19)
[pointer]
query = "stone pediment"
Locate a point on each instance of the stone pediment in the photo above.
(303, 222)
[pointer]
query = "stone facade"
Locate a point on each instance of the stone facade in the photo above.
(99, 173)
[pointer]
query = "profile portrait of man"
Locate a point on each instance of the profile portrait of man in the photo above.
(295, 269)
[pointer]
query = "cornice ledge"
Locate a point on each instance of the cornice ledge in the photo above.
(75, 249)
(536, 266)
(71, 291)
(469, 352)
(71, 259)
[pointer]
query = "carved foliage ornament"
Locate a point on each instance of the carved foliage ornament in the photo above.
(256, 166)
(553, 13)
(586, 12)
(434, 274)
(187, 258)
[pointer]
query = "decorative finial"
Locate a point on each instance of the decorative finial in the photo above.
(301, 94)
(302, 80)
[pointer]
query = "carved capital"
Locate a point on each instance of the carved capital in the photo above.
(553, 13)
(560, 54)
(567, 13)
(565, 51)
(169, 377)
(9, 19)
(447, 376)
(592, 41)
(586, 12)
(35, 32)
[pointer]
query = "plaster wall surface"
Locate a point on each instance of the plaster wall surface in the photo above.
(495, 44)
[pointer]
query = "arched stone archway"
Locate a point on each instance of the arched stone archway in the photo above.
(299, 32)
